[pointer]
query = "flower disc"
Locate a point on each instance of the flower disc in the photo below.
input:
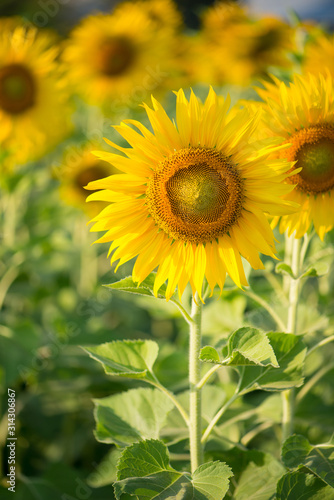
(195, 195)
(115, 56)
(313, 150)
(89, 173)
(78, 168)
(17, 89)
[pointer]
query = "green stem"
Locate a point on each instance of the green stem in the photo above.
(10, 220)
(266, 306)
(325, 341)
(222, 410)
(314, 380)
(217, 417)
(287, 258)
(88, 261)
(288, 408)
(276, 285)
(182, 310)
(247, 438)
(288, 397)
(195, 420)
(294, 287)
(172, 397)
(206, 377)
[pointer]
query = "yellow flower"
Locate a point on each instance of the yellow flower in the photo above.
(78, 168)
(163, 13)
(302, 114)
(33, 111)
(221, 16)
(319, 55)
(193, 196)
(116, 60)
(235, 48)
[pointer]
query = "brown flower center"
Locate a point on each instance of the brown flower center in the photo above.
(90, 173)
(115, 56)
(195, 195)
(313, 149)
(266, 41)
(17, 89)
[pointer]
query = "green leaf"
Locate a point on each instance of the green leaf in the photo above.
(131, 416)
(284, 268)
(144, 472)
(249, 346)
(318, 269)
(301, 486)
(255, 472)
(145, 287)
(258, 479)
(246, 347)
(290, 354)
(126, 358)
(105, 472)
(209, 354)
(211, 480)
(297, 451)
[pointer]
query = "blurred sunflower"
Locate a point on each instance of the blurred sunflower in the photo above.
(223, 15)
(193, 196)
(164, 14)
(319, 55)
(236, 48)
(79, 167)
(118, 59)
(33, 110)
(302, 114)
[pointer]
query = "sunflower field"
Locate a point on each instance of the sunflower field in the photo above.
(167, 252)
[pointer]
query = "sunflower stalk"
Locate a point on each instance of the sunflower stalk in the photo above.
(195, 417)
(288, 397)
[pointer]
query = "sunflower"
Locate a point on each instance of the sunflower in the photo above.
(163, 13)
(78, 168)
(302, 114)
(116, 60)
(193, 196)
(319, 55)
(33, 111)
(222, 16)
(235, 48)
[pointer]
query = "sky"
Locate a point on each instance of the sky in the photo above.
(319, 10)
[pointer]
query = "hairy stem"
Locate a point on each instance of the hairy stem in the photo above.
(195, 417)
(288, 397)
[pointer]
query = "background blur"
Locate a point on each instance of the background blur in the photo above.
(51, 294)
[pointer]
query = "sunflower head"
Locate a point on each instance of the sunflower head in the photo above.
(116, 60)
(33, 108)
(235, 47)
(192, 198)
(302, 114)
(80, 167)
